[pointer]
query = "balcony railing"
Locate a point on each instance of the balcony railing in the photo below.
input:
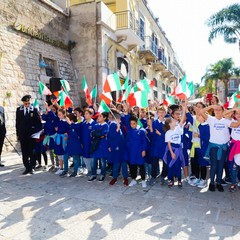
(125, 20)
(150, 45)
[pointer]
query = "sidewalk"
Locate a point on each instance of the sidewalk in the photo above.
(45, 206)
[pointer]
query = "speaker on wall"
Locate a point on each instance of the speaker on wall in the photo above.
(55, 84)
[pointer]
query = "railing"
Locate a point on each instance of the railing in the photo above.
(125, 20)
(162, 57)
(150, 45)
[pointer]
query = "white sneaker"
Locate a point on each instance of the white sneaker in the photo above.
(144, 184)
(59, 171)
(202, 183)
(98, 171)
(85, 171)
(80, 170)
(132, 183)
(194, 182)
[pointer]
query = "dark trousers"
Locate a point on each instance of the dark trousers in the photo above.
(38, 157)
(155, 167)
(164, 172)
(133, 171)
(195, 165)
(2, 137)
(27, 147)
(216, 165)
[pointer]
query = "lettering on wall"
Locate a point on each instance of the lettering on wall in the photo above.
(36, 33)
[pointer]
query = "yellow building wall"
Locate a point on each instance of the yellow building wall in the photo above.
(76, 2)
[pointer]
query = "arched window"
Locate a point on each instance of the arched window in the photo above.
(142, 74)
(121, 61)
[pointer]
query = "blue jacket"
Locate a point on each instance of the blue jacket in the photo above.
(136, 142)
(102, 150)
(74, 144)
(86, 129)
(116, 143)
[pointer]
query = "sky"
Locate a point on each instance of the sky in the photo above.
(184, 24)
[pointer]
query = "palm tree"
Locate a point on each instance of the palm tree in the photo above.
(226, 22)
(222, 70)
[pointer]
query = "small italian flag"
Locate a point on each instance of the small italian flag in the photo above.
(65, 85)
(143, 85)
(103, 107)
(112, 83)
(233, 99)
(106, 97)
(65, 100)
(182, 90)
(139, 99)
(85, 89)
(168, 101)
(43, 89)
(126, 93)
(125, 85)
(35, 104)
(93, 93)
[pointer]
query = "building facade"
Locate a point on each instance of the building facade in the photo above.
(76, 38)
(124, 36)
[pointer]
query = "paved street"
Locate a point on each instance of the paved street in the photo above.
(45, 206)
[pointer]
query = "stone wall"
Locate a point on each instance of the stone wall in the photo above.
(87, 54)
(19, 54)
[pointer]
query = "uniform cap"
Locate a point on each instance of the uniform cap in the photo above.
(26, 98)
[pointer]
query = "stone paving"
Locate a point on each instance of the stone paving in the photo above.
(45, 206)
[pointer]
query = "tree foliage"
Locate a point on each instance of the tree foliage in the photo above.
(226, 23)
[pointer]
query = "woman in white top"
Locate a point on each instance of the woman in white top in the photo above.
(218, 142)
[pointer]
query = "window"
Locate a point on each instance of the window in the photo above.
(155, 82)
(231, 83)
(122, 69)
(163, 87)
(154, 44)
(50, 68)
(155, 94)
(142, 74)
(142, 29)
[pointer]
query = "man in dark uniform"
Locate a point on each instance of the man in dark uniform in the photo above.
(27, 123)
(2, 131)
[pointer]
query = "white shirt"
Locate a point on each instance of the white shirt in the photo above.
(235, 134)
(174, 136)
(219, 132)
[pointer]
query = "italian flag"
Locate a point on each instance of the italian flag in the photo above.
(126, 93)
(103, 107)
(106, 97)
(139, 99)
(65, 100)
(35, 104)
(190, 90)
(43, 89)
(143, 85)
(112, 83)
(233, 99)
(65, 85)
(168, 101)
(125, 85)
(85, 89)
(182, 90)
(93, 93)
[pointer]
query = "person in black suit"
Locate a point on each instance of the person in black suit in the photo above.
(2, 131)
(28, 122)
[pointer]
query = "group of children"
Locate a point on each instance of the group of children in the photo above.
(127, 140)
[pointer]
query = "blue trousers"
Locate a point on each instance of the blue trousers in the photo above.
(116, 168)
(216, 165)
(103, 166)
(76, 161)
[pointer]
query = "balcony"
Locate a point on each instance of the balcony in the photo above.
(161, 63)
(149, 50)
(127, 30)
